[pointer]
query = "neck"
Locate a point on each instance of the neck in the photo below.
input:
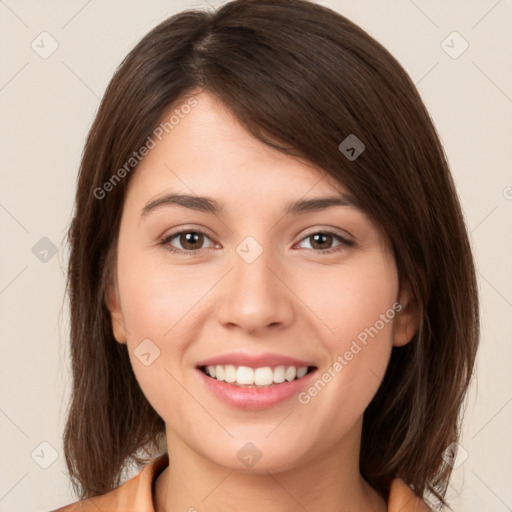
(328, 481)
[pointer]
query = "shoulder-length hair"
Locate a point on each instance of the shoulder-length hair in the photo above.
(301, 78)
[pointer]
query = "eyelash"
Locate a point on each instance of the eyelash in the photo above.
(166, 241)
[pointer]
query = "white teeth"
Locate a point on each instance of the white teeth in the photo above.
(302, 371)
(263, 376)
(291, 373)
(279, 372)
(219, 372)
(229, 373)
(246, 376)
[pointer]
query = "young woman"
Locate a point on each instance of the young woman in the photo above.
(273, 297)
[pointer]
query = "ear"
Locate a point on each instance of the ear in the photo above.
(407, 317)
(114, 306)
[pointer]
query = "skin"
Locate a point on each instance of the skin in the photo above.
(294, 299)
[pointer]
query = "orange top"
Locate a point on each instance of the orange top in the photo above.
(136, 495)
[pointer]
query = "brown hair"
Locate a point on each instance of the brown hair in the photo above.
(301, 74)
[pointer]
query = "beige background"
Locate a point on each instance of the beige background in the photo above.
(47, 106)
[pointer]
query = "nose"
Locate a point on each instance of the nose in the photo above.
(255, 296)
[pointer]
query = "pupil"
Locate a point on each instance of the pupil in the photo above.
(321, 236)
(189, 239)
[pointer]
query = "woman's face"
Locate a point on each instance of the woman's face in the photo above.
(318, 286)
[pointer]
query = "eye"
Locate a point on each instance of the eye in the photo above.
(191, 240)
(323, 238)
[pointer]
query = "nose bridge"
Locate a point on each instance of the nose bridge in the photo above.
(254, 297)
(252, 277)
(251, 266)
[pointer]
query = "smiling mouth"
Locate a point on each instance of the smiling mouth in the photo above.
(246, 377)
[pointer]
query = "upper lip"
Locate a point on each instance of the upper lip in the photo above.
(254, 360)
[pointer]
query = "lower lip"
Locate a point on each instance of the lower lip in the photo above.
(255, 398)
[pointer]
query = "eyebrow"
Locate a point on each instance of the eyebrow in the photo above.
(209, 205)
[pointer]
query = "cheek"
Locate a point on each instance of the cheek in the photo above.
(156, 299)
(357, 313)
(351, 299)
(155, 306)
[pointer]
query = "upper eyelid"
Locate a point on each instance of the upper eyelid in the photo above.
(335, 231)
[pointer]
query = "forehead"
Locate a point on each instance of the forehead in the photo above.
(209, 152)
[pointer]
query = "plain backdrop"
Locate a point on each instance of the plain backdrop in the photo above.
(47, 104)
